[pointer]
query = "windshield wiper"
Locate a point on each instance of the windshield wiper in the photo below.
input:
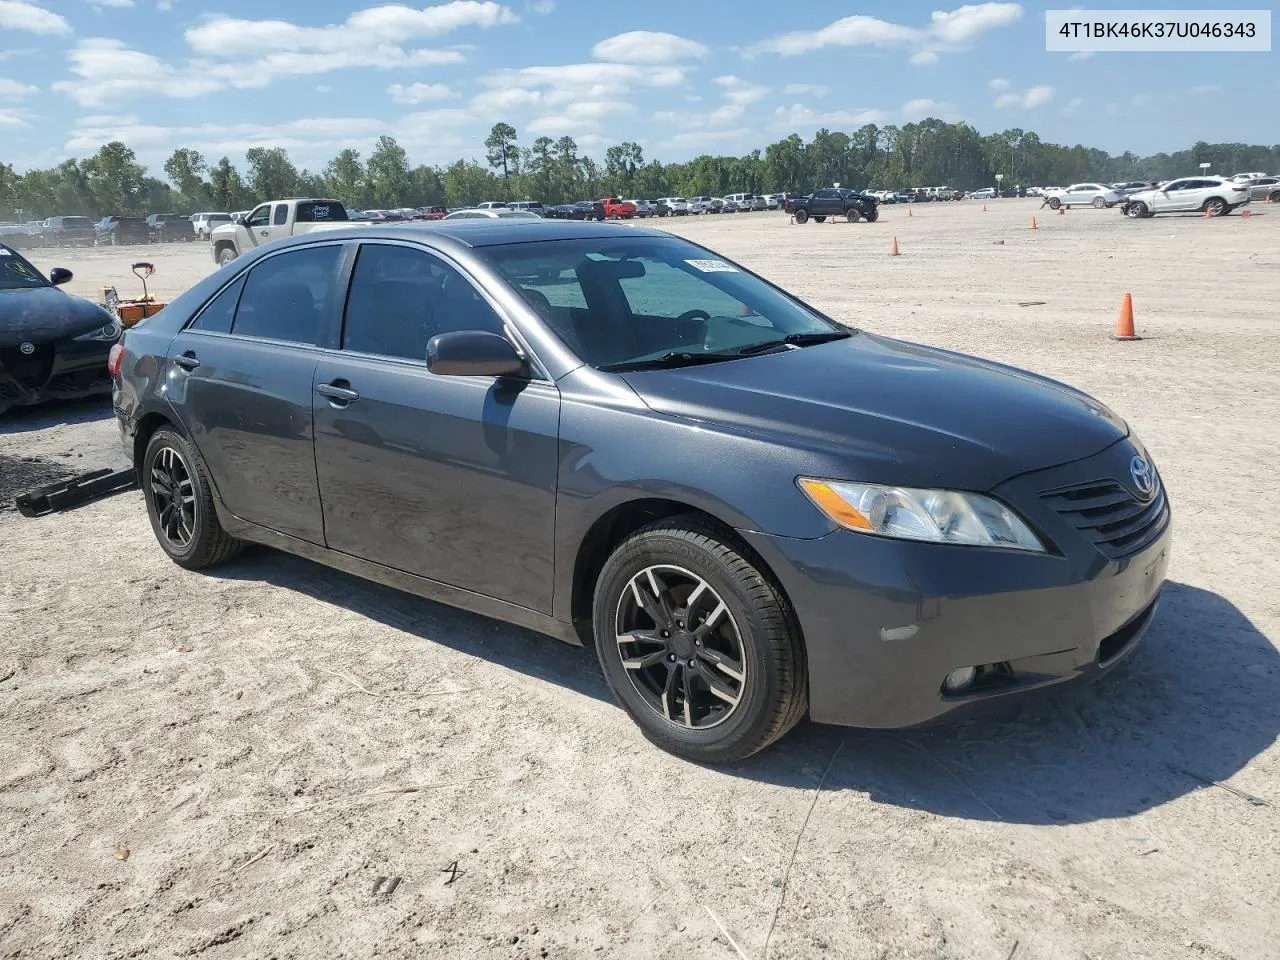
(795, 339)
(667, 361)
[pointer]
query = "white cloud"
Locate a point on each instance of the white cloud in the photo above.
(13, 90)
(391, 25)
(1074, 105)
(420, 92)
(999, 84)
(544, 7)
(1140, 99)
(1112, 109)
(324, 89)
(700, 137)
(111, 3)
(20, 15)
(1029, 99)
(13, 117)
(926, 107)
(1081, 55)
(923, 58)
(946, 30)
(1199, 90)
(815, 89)
(577, 116)
(644, 46)
(555, 85)
(799, 117)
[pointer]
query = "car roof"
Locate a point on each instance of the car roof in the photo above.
(485, 232)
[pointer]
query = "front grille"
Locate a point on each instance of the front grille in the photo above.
(31, 371)
(1111, 517)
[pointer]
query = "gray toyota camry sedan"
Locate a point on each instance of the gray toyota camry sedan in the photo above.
(621, 439)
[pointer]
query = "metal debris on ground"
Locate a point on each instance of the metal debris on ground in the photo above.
(1249, 797)
(74, 492)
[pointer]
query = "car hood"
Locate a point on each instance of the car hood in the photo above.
(45, 314)
(893, 412)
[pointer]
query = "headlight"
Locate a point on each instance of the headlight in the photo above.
(106, 333)
(936, 516)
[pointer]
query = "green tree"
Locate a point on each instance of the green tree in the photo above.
(466, 183)
(388, 173)
(345, 178)
(503, 154)
(272, 175)
(112, 178)
(185, 169)
(225, 186)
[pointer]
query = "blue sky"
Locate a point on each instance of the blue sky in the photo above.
(682, 78)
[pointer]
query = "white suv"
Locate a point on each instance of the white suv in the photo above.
(679, 206)
(1083, 195)
(1215, 196)
(203, 223)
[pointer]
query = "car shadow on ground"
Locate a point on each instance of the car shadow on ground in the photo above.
(1197, 702)
(54, 413)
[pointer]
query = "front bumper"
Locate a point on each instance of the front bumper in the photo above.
(885, 621)
(61, 371)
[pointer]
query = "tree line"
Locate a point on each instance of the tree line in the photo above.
(928, 153)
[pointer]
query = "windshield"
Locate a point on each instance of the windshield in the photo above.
(629, 302)
(16, 273)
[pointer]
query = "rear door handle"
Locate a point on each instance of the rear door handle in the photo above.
(337, 393)
(187, 361)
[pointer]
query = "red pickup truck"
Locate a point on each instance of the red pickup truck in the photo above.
(616, 208)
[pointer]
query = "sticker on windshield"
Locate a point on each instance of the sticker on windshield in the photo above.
(712, 266)
(4, 251)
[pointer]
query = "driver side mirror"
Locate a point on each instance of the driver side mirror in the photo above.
(59, 276)
(473, 353)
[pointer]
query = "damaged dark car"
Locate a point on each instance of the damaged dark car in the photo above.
(52, 345)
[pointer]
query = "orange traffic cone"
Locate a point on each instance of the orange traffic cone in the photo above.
(893, 250)
(1033, 224)
(1207, 215)
(1246, 213)
(1124, 323)
(984, 208)
(1269, 200)
(908, 211)
(1062, 210)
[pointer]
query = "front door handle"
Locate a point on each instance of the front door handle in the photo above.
(337, 393)
(187, 361)
(262, 233)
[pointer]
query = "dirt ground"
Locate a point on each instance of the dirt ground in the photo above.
(250, 735)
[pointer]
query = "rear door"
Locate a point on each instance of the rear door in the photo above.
(281, 223)
(241, 377)
(448, 478)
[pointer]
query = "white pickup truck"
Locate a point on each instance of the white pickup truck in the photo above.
(274, 221)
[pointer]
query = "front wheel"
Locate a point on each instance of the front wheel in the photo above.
(802, 216)
(1099, 203)
(180, 503)
(872, 215)
(1054, 203)
(697, 644)
(1274, 198)
(820, 219)
(1135, 210)
(852, 215)
(225, 256)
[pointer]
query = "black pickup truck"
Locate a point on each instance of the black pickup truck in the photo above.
(833, 202)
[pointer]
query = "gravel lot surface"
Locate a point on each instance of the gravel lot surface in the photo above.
(221, 764)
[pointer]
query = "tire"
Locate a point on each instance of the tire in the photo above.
(752, 652)
(820, 219)
(853, 215)
(1136, 210)
(1098, 203)
(1054, 203)
(1215, 207)
(190, 534)
(802, 215)
(226, 255)
(1275, 197)
(872, 215)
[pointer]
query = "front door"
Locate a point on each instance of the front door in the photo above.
(258, 223)
(241, 377)
(449, 478)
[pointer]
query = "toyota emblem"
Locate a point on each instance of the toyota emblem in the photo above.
(27, 348)
(1144, 478)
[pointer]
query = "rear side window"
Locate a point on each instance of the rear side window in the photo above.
(401, 297)
(281, 215)
(216, 317)
(289, 296)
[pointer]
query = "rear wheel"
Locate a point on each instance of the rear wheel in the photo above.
(697, 644)
(1054, 203)
(1275, 197)
(872, 215)
(1215, 207)
(853, 215)
(820, 219)
(802, 215)
(180, 503)
(1098, 203)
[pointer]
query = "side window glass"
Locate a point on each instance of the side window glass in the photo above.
(260, 217)
(217, 315)
(281, 215)
(401, 297)
(288, 297)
